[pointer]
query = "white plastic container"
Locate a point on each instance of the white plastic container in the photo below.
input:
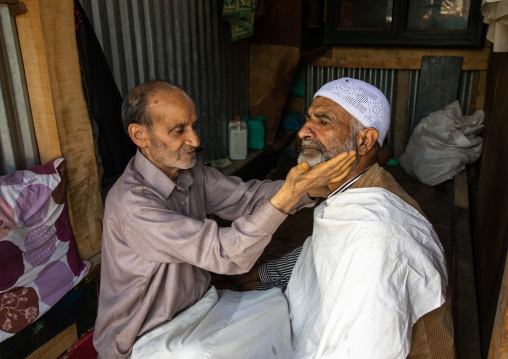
(237, 139)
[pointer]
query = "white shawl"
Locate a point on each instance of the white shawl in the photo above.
(371, 269)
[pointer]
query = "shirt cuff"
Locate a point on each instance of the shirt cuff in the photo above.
(304, 202)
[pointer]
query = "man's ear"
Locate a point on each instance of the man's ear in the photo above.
(138, 134)
(365, 140)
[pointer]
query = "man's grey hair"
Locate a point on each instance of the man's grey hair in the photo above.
(135, 107)
(356, 127)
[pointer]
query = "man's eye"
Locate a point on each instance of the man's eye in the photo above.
(324, 123)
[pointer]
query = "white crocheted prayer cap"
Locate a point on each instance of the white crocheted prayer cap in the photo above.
(362, 100)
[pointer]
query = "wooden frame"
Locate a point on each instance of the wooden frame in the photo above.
(399, 35)
(62, 126)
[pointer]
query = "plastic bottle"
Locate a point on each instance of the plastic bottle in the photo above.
(237, 139)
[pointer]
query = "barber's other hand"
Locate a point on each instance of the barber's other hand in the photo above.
(301, 179)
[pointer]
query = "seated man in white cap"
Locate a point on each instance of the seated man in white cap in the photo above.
(371, 280)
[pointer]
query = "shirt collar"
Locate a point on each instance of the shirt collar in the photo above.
(158, 179)
(348, 184)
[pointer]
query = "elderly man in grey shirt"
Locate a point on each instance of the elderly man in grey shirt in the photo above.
(158, 244)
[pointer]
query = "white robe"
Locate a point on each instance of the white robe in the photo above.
(372, 267)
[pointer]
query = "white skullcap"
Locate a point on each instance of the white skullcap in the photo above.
(362, 100)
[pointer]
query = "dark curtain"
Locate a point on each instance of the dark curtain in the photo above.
(113, 148)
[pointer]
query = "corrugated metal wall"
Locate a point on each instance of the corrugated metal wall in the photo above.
(385, 80)
(18, 149)
(464, 96)
(184, 42)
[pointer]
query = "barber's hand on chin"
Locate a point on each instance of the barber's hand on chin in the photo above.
(301, 180)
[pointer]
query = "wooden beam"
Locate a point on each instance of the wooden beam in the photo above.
(58, 345)
(474, 93)
(397, 58)
(499, 341)
(8, 2)
(61, 121)
(465, 306)
(480, 92)
(400, 115)
(17, 9)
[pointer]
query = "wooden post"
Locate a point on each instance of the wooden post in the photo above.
(400, 115)
(48, 45)
(498, 348)
(480, 93)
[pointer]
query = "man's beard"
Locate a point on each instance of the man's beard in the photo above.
(324, 154)
(172, 159)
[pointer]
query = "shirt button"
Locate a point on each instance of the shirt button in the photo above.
(181, 203)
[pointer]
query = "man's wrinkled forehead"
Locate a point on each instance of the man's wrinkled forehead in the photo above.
(324, 107)
(169, 98)
(166, 95)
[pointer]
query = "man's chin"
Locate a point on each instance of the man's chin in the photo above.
(312, 160)
(185, 165)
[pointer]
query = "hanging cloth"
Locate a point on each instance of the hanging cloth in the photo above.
(495, 14)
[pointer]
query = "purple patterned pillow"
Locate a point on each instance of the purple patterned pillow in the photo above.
(39, 261)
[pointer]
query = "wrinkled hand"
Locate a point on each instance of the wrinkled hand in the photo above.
(316, 180)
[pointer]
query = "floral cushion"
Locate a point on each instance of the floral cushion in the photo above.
(39, 261)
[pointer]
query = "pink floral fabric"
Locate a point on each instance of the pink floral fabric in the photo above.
(39, 261)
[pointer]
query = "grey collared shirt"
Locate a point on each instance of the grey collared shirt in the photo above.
(158, 244)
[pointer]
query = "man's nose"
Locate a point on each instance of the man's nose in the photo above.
(306, 131)
(193, 139)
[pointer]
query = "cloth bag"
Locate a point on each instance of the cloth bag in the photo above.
(442, 144)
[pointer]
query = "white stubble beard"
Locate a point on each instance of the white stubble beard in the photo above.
(323, 154)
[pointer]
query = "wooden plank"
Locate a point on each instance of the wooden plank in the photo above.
(35, 60)
(95, 260)
(499, 341)
(491, 212)
(400, 115)
(480, 92)
(17, 9)
(62, 126)
(438, 86)
(58, 345)
(398, 58)
(465, 306)
(238, 164)
(271, 72)
(474, 93)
